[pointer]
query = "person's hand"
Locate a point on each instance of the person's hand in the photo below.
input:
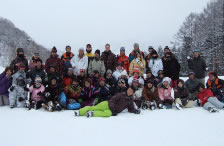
(188, 57)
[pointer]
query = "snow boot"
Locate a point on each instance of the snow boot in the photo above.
(161, 106)
(178, 106)
(144, 106)
(77, 113)
(152, 105)
(212, 110)
(89, 114)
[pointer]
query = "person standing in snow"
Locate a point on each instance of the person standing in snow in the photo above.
(67, 57)
(79, 62)
(33, 61)
(197, 65)
(114, 106)
(148, 57)
(207, 99)
(89, 53)
(123, 59)
(109, 58)
(133, 54)
(155, 63)
(20, 59)
(38, 71)
(137, 62)
(5, 84)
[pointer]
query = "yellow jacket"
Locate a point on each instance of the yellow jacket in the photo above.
(137, 63)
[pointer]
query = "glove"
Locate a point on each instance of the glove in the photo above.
(40, 93)
(12, 88)
(26, 89)
(47, 94)
(206, 69)
(188, 57)
(21, 99)
(137, 111)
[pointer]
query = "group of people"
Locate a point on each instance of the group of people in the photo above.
(103, 85)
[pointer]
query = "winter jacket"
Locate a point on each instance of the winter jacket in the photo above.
(140, 63)
(54, 93)
(155, 65)
(171, 68)
(151, 95)
(120, 102)
(164, 93)
(5, 84)
(133, 55)
(72, 93)
(140, 80)
(124, 61)
(203, 96)
(34, 93)
(215, 86)
(192, 85)
(88, 93)
(117, 74)
(79, 64)
(198, 66)
(19, 60)
(66, 59)
(16, 76)
(182, 94)
(37, 72)
(109, 60)
(55, 61)
(67, 80)
(32, 63)
(111, 83)
(96, 65)
(58, 78)
(103, 93)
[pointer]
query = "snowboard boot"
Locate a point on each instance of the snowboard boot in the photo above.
(152, 105)
(178, 106)
(161, 106)
(50, 106)
(77, 113)
(212, 110)
(144, 106)
(89, 114)
(58, 107)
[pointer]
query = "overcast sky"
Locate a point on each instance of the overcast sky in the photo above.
(118, 22)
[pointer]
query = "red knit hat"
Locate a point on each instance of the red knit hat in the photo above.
(136, 69)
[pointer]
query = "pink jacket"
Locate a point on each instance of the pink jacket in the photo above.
(34, 92)
(165, 93)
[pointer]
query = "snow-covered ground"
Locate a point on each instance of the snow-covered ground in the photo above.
(189, 127)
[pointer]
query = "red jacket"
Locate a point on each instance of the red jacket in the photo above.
(203, 96)
(124, 61)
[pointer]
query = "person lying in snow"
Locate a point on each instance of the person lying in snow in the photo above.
(114, 106)
(207, 99)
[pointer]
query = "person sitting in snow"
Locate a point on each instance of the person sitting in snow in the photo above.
(95, 77)
(155, 63)
(118, 71)
(88, 93)
(159, 78)
(114, 106)
(165, 93)
(33, 61)
(149, 76)
(136, 76)
(181, 96)
(121, 86)
(72, 93)
(207, 99)
(192, 85)
(110, 82)
(68, 76)
(124, 76)
(216, 85)
(18, 90)
(67, 57)
(37, 94)
(103, 91)
(151, 96)
(52, 96)
(53, 74)
(5, 84)
(137, 92)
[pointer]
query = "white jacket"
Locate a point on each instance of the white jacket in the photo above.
(155, 65)
(140, 80)
(78, 64)
(117, 73)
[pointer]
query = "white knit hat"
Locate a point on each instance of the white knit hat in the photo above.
(167, 79)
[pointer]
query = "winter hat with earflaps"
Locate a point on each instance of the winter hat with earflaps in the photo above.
(124, 73)
(109, 71)
(167, 79)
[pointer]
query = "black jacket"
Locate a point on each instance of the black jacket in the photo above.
(198, 66)
(171, 68)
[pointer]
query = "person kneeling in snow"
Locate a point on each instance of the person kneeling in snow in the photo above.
(18, 90)
(115, 105)
(207, 99)
(72, 93)
(37, 91)
(103, 91)
(165, 93)
(52, 94)
(182, 97)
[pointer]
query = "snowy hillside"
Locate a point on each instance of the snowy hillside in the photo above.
(190, 127)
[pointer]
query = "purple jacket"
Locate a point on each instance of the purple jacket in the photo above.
(5, 84)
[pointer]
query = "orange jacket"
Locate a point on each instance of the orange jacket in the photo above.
(124, 61)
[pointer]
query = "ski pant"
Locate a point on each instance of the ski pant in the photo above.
(189, 104)
(87, 103)
(168, 103)
(100, 110)
(14, 97)
(213, 102)
(4, 100)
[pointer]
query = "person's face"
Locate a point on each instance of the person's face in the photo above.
(211, 77)
(122, 53)
(53, 54)
(68, 49)
(102, 83)
(53, 82)
(167, 56)
(8, 72)
(122, 84)
(82, 73)
(191, 77)
(134, 84)
(52, 69)
(81, 52)
(166, 51)
(130, 92)
(39, 65)
(123, 76)
(150, 50)
(109, 75)
(166, 84)
(149, 85)
(36, 57)
(38, 84)
(180, 85)
(201, 89)
(21, 53)
(89, 48)
(87, 84)
(135, 74)
(196, 54)
(75, 84)
(161, 76)
(107, 48)
(136, 48)
(22, 69)
(70, 72)
(119, 67)
(96, 75)
(149, 75)
(97, 55)
(154, 55)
